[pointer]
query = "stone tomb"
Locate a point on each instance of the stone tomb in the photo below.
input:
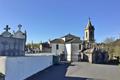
(12, 44)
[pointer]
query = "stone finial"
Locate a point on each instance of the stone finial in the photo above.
(19, 26)
(89, 18)
(13, 31)
(89, 22)
(7, 28)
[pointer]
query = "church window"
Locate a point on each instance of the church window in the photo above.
(91, 34)
(86, 34)
(57, 46)
(79, 46)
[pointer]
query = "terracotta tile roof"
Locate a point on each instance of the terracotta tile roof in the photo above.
(60, 41)
(70, 36)
(73, 40)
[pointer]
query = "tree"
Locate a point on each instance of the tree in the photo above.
(117, 50)
(109, 40)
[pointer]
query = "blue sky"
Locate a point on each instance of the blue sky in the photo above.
(49, 19)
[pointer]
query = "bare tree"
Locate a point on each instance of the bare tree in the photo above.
(109, 40)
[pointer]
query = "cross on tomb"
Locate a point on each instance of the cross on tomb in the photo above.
(7, 28)
(19, 26)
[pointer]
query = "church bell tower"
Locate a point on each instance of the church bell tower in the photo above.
(89, 32)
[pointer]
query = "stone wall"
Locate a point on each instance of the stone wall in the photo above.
(10, 46)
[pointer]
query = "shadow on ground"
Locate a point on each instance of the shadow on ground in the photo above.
(55, 72)
(110, 62)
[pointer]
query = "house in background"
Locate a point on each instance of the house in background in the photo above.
(45, 47)
(42, 47)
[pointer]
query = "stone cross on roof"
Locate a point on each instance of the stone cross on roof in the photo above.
(19, 26)
(7, 28)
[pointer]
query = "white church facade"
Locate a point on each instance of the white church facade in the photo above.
(70, 46)
(67, 46)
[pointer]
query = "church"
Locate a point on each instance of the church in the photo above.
(70, 46)
(12, 44)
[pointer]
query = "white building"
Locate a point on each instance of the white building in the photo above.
(67, 47)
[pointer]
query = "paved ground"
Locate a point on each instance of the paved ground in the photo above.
(78, 71)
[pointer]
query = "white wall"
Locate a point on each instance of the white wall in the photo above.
(75, 48)
(19, 68)
(72, 51)
(63, 38)
(60, 50)
(2, 64)
(75, 51)
(39, 54)
(68, 49)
